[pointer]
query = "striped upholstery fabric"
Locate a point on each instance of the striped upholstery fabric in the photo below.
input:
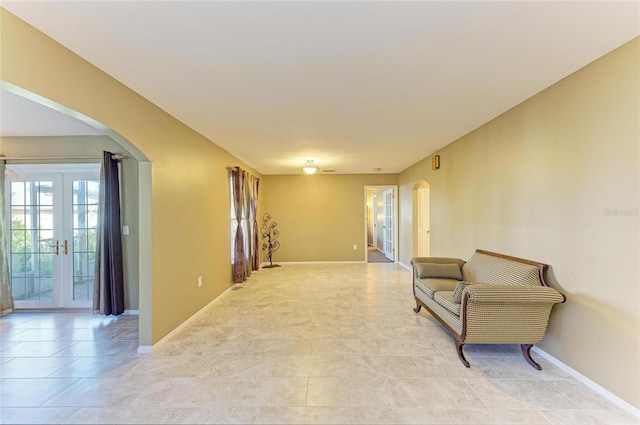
(448, 317)
(444, 298)
(430, 286)
(437, 260)
(456, 298)
(444, 271)
(492, 323)
(482, 268)
(508, 314)
(507, 303)
(513, 294)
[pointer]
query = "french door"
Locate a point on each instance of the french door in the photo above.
(389, 224)
(52, 222)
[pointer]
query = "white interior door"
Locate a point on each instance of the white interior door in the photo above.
(424, 226)
(52, 231)
(389, 224)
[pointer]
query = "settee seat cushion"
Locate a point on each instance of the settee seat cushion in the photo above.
(444, 298)
(430, 286)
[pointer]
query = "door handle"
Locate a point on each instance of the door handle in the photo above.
(66, 247)
(57, 247)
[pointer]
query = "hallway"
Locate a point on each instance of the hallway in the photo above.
(375, 256)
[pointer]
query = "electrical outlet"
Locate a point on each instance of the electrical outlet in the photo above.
(355, 247)
(199, 281)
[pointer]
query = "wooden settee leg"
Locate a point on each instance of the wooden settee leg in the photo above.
(418, 307)
(526, 352)
(464, 361)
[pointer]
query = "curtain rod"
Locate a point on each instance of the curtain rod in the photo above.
(115, 156)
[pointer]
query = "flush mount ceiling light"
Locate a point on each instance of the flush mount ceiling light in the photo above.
(310, 167)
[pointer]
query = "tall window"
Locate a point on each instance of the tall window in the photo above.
(246, 228)
(245, 185)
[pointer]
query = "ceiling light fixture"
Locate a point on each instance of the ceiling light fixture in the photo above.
(309, 167)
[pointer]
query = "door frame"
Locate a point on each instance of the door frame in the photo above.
(374, 227)
(395, 218)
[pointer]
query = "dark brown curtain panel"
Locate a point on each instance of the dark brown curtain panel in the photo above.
(108, 283)
(239, 257)
(255, 246)
(248, 230)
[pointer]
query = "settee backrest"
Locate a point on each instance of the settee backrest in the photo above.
(486, 268)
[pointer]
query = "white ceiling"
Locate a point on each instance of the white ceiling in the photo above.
(353, 85)
(21, 117)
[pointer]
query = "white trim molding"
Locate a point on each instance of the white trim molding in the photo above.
(405, 266)
(589, 383)
(144, 349)
(322, 262)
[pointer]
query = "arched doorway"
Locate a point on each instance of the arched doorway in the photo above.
(137, 194)
(421, 219)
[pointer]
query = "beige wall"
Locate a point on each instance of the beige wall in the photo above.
(556, 179)
(88, 146)
(187, 187)
(320, 217)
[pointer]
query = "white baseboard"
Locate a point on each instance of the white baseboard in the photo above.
(132, 312)
(322, 262)
(588, 382)
(146, 349)
(405, 266)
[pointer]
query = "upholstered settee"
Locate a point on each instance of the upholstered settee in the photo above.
(489, 299)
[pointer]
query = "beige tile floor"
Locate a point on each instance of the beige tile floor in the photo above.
(322, 344)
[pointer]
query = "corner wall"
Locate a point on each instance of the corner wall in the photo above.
(557, 180)
(320, 217)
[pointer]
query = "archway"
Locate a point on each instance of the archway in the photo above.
(138, 196)
(421, 214)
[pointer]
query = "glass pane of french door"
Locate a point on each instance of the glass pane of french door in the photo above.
(84, 226)
(35, 264)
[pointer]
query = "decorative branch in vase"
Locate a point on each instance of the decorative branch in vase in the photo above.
(270, 235)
